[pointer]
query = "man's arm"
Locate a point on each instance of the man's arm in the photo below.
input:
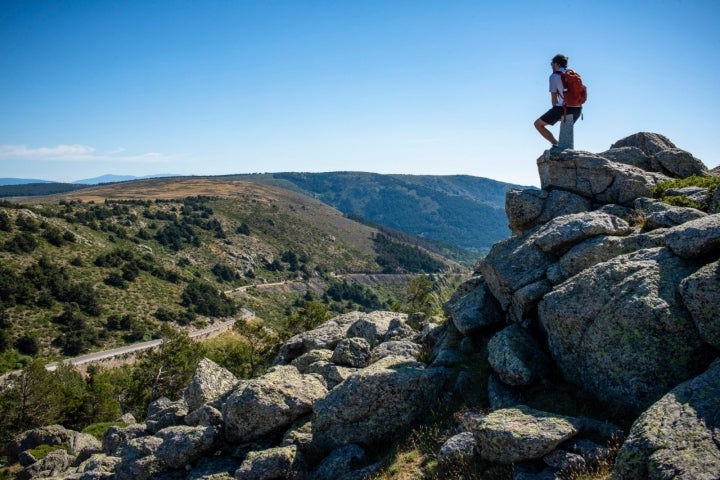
(554, 98)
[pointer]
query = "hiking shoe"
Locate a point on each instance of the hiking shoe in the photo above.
(556, 149)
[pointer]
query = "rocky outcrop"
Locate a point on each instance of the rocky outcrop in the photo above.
(618, 290)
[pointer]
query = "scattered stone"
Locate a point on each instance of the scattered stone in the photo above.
(521, 433)
(270, 464)
(532, 207)
(600, 249)
(207, 416)
(504, 274)
(209, 382)
(461, 447)
(331, 373)
(269, 403)
(564, 461)
(596, 178)
(53, 464)
(82, 446)
(184, 445)
(523, 306)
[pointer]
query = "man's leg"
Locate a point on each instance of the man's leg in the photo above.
(541, 127)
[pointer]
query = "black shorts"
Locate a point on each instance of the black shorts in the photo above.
(555, 113)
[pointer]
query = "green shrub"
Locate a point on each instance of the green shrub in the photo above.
(693, 181)
(41, 451)
(98, 429)
(680, 201)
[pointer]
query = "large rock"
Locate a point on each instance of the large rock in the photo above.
(620, 331)
(472, 307)
(701, 295)
(209, 382)
(512, 264)
(163, 413)
(83, 445)
(376, 402)
(600, 249)
(273, 463)
(678, 436)
(648, 143)
(632, 156)
(680, 163)
(561, 233)
(517, 434)
(695, 238)
(595, 177)
(517, 357)
(531, 207)
(271, 402)
(184, 445)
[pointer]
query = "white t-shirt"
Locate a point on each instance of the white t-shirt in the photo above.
(557, 86)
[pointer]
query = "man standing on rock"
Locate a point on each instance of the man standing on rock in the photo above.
(559, 64)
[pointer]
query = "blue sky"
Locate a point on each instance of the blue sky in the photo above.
(420, 87)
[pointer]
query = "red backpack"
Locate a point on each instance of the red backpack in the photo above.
(575, 93)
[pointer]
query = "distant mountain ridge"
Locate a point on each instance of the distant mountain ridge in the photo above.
(460, 210)
(108, 178)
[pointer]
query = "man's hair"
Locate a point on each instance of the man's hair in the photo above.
(561, 60)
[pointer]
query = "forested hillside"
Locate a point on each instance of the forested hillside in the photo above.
(109, 265)
(456, 210)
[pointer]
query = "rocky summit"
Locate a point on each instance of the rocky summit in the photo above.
(603, 294)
